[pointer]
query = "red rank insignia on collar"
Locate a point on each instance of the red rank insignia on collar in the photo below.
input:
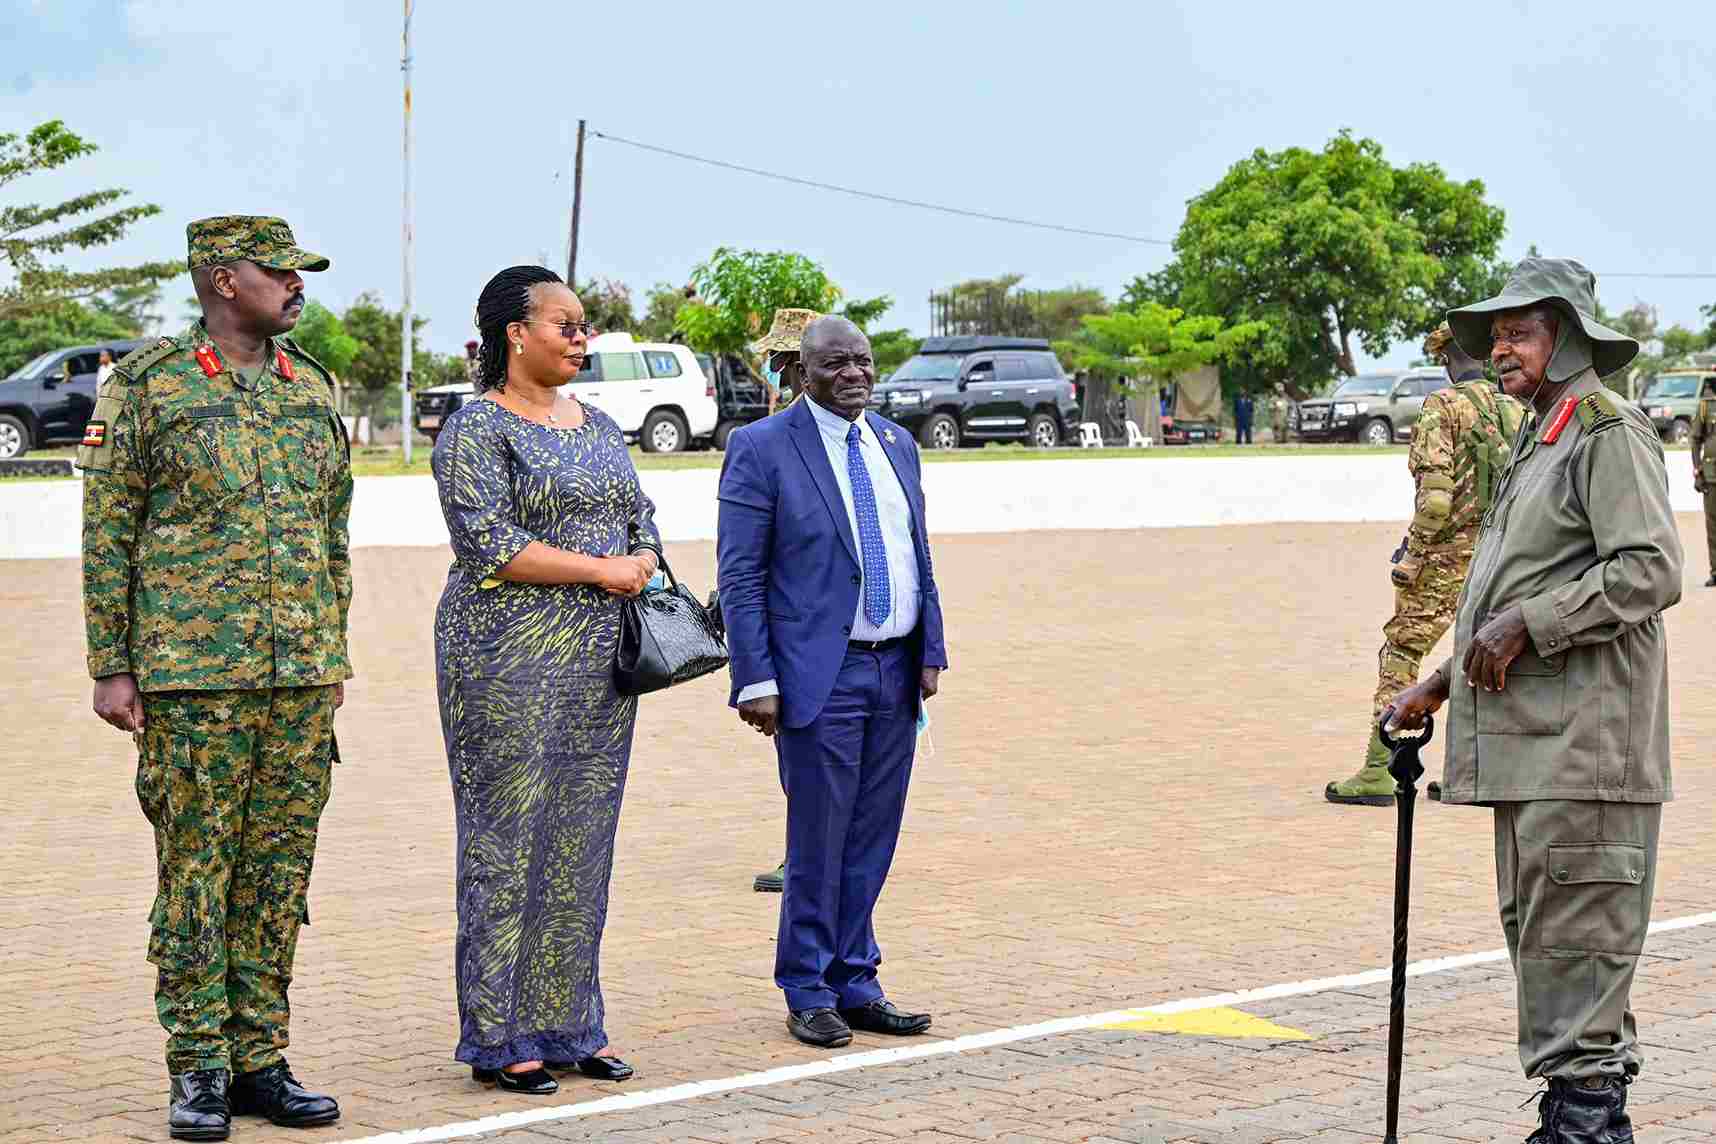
(1563, 414)
(285, 364)
(209, 358)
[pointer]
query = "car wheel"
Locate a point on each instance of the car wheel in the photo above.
(939, 431)
(1043, 431)
(1377, 432)
(14, 437)
(1680, 432)
(663, 432)
(722, 432)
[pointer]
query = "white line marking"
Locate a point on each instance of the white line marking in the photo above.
(971, 1042)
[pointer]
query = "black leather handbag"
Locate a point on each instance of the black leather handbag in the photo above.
(666, 637)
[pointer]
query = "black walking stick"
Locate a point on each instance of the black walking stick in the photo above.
(1404, 766)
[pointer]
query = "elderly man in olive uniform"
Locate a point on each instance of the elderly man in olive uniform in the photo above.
(216, 579)
(1459, 448)
(1558, 716)
(1704, 468)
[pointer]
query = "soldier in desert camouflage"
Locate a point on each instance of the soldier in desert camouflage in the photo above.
(217, 483)
(1459, 449)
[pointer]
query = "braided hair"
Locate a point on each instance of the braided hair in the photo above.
(506, 299)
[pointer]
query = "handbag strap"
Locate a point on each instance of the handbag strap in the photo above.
(661, 559)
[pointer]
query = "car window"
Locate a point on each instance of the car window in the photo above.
(1673, 385)
(84, 363)
(622, 367)
(662, 363)
(1373, 385)
(34, 366)
(1043, 365)
(592, 368)
(1012, 368)
(981, 365)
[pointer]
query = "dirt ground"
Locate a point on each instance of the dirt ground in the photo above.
(1123, 806)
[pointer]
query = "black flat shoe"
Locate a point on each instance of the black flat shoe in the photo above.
(275, 1093)
(880, 1016)
(596, 1068)
(821, 1028)
(536, 1082)
(198, 1108)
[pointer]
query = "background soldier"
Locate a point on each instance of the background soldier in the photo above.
(1459, 449)
(1278, 409)
(1561, 644)
(1704, 468)
(217, 484)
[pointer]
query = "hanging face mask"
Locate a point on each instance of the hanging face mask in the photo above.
(772, 375)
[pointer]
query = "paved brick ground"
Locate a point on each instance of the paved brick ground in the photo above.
(1123, 807)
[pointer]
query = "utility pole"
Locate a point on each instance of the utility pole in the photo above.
(405, 322)
(577, 208)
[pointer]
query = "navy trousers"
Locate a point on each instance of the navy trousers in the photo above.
(845, 778)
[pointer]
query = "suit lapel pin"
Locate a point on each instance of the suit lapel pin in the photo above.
(888, 436)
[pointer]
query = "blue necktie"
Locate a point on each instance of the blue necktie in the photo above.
(877, 604)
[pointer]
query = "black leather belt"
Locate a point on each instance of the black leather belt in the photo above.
(875, 645)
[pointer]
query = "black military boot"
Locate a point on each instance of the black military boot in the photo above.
(275, 1093)
(197, 1108)
(1583, 1112)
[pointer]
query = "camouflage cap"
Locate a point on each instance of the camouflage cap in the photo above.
(786, 332)
(247, 238)
(1437, 340)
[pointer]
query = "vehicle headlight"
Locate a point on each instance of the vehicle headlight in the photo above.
(1363, 406)
(1660, 411)
(1346, 409)
(905, 397)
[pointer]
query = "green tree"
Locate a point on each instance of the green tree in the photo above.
(662, 304)
(1149, 344)
(891, 348)
(32, 235)
(374, 369)
(1330, 248)
(739, 292)
(26, 335)
(607, 304)
(997, 306)
(323, 336)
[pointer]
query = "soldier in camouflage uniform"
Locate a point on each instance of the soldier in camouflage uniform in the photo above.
(1459, 449)
(1704, 468)
(217, 483)
(1278, 409)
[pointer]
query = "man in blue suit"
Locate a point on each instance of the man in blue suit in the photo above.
(835, 632)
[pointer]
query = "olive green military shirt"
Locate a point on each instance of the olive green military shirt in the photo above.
(1703, 429)
(1581, 536)
(215, 552)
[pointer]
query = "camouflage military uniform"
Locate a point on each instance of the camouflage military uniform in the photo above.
(216, 572)
(1459, 450)
(1704, 468)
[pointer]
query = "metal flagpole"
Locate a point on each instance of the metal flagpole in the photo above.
(405, 337)
(577, 208)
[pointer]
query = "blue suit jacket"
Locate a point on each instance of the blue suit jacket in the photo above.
(789, 566)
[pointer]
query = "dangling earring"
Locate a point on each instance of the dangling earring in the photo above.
(518, 347)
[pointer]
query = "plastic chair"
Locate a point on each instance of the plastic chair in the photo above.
(1135, 438)
(1089, 435)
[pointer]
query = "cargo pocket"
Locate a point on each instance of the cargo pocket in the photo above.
(228, 443)
(307, 438)
(1534, 702)
(1595, 902)
(179, 924)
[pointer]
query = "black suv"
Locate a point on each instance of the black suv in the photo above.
(970, 389)
(49, 400)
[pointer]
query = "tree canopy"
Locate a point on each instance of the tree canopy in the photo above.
(1329, 248)
(998, 306)
(1150, 343)
(738, 292)
(33, 236)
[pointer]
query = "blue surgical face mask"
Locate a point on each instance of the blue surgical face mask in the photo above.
(773, 376)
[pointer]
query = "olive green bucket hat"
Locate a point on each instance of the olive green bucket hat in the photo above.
(1559, 282)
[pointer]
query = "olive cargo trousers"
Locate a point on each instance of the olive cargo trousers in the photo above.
(234, 783)
(1710, 525)
(1574, 880)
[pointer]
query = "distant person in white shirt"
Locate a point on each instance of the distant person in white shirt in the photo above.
(103, 368)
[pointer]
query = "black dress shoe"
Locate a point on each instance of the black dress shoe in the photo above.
(535, 1082)
(1711, 583)
(197, 1108)
(770, 881)
(820, 1027)
(880, 1016)
(596, 1068)
(275, 1093)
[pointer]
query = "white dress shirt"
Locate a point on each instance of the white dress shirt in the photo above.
(893, 513)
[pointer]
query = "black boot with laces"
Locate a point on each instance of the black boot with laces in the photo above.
(197, 1108)
(1590, 1111)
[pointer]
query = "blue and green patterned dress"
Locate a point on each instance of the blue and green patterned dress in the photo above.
(538, 740)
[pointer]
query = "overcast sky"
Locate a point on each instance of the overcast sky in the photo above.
(1591, 126)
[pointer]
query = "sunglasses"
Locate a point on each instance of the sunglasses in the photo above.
(568, 330)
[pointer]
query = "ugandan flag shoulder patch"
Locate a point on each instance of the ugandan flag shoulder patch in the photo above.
(95, 435)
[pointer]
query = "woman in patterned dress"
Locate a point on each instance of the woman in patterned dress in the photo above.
(550, 531)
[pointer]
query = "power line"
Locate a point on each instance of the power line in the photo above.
(873, 195)
(984, 215)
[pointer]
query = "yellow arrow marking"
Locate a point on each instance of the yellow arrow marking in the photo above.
(1211, 1023)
